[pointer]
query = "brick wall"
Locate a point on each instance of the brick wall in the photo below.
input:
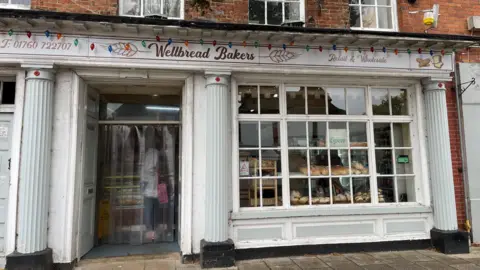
(104, 7)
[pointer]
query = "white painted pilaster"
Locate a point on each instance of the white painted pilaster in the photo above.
(218, 156)
(439, 155)
(34, 184)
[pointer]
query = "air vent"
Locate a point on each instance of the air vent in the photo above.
(474, 23)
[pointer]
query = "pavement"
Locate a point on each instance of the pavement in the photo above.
(398, 260)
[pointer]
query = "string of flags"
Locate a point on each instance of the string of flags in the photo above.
(244, 44)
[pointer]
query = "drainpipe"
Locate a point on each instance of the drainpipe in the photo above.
(462, 147)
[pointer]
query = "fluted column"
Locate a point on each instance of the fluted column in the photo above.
(218, 172)
(33, 195)
(445, 235)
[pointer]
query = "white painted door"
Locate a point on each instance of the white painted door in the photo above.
(5, 139)
(87, 224)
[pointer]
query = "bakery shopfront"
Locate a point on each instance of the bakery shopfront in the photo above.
(269, 138)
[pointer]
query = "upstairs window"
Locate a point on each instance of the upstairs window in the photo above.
(372, 14)
(140, 8)
(15, 4)
(275, 12)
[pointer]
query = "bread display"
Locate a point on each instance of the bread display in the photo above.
(358, 168)
(314, 170)
(362, 197)
(340, 170)
(358, 144)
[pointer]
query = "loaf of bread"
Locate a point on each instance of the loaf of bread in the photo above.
(339, 170)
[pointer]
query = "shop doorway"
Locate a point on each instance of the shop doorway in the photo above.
(137, 174)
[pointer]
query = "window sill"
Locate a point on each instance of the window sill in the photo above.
(14, 6)
(373, 29)
(332, 211)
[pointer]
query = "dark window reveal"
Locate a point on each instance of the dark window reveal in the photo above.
(8, 93)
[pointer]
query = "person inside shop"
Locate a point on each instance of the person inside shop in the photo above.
(150, 182)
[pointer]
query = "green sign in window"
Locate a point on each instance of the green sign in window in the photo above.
(403, 159)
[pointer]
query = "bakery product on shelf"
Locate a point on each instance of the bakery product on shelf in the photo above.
(358, 168)
(303, 200)
(340, 170)
(362, 197)
(358, 144)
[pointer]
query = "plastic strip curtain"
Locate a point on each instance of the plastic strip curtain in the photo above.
(139, 178)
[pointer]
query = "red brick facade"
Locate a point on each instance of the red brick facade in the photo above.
(332, 14)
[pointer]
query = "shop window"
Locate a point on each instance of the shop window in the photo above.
(275, 12)
(304, 145)
(15, 4)
(139, 8)
(373, 14)
(8, 92)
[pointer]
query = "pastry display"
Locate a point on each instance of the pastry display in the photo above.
(362, 197)
(314, 170)
(342, 198)
(340, 170)
(381, 198)
(358, 144)
(295, 196)
(303, 200)
(358, 168)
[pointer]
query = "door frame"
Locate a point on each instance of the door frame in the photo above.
(185, 161)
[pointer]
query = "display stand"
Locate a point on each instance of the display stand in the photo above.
(261, 185)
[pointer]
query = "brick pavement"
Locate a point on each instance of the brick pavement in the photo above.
(399, 260)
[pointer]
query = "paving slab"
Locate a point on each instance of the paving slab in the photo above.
(285, 267)
(252, 265)
(378, 267)
(406, 266)
(469, 266)
(309, 262)
(284, 261)
(344, 266)
(414, 256)
(333, 258)
(389, 258)
(363, 258)
(434, 266)
(160, 264)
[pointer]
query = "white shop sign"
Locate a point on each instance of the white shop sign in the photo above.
(338, 137)
(221, 53)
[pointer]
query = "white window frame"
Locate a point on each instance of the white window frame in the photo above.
(376, 6)
(15, 6)
(302, 11)
(421, 194)
(121, 11)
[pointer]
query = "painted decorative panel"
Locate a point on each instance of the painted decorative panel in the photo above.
(334, 229)
(405, 226)
(259, 233)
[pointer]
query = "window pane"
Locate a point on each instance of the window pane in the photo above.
(269, 100)
(383, 2)
(358, 134)
(401, 134)
(152, 7)
(320, 191)
(399, 101)
(385, 18)
(8, 93)
(256, 11)
(353, 2)
(359, 160)
(384, 161)
(337, 134)
(18, 2)
(171, 8)
(341, 189)
(361, 190)
(292, 11)
(131, 7)
(295, 100)
(297, 161)
(316, 100)
(406, 189)
(274, 13)
(385, 190)
(339, 162)
(355, 16)
(382, 135)
(248, 166)
(299, 191)
(248, 99)
(317, 134)
(369, 17)
(248, 134)
(403, 161)
(368, 2)
(380, 105)
(319, 163)
(270, 134)
(356, 101)
(336, 101)
(271, 163)
(258, 192)
(297, 134)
